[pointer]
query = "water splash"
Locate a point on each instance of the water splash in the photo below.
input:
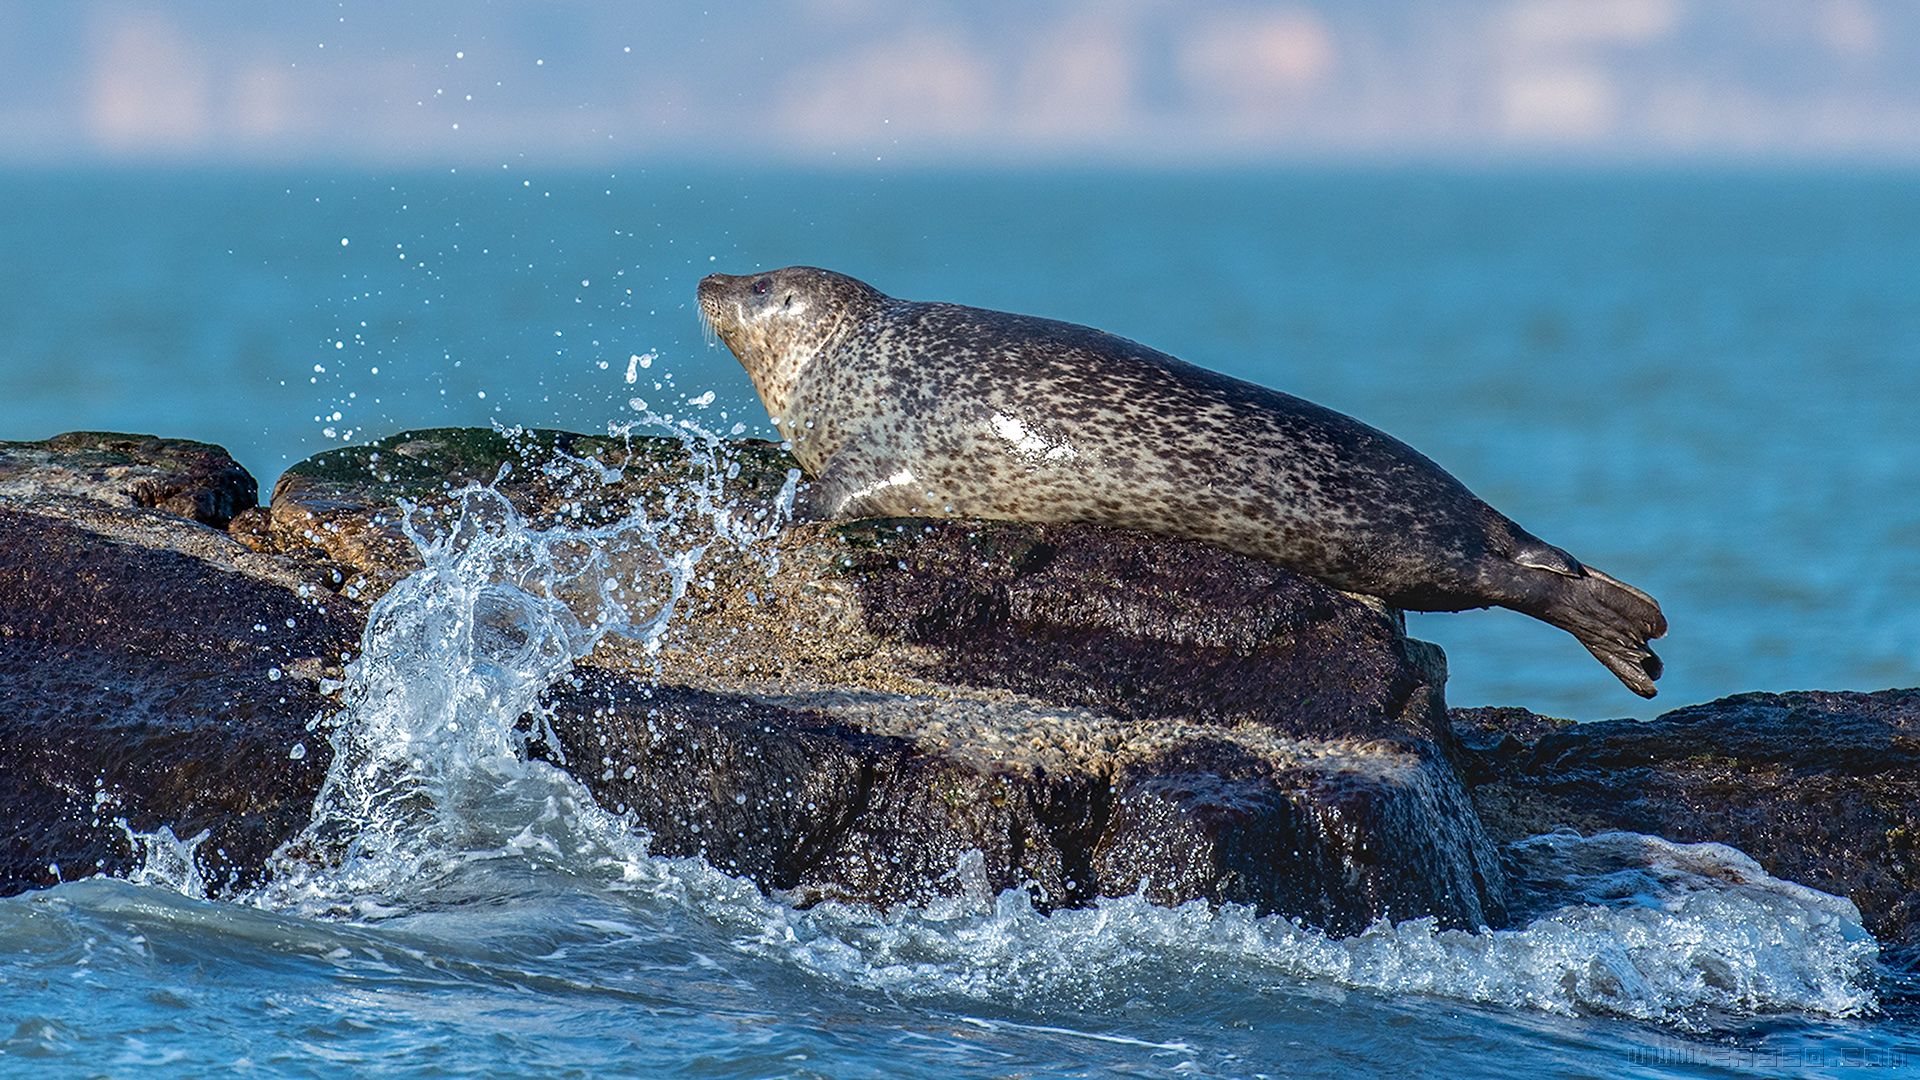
(165, 860)
(454, 656)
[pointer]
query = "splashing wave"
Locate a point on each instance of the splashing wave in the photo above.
(429, 782)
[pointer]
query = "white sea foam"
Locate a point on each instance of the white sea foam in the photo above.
(1690, 942)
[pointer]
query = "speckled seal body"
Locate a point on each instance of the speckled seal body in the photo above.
(902, 408)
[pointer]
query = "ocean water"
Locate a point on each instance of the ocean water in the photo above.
(1699, 382)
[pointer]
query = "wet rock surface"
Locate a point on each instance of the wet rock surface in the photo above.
(1073, 745)
(342, 512)
(152, 673)
(1822, 788)
(881, 711)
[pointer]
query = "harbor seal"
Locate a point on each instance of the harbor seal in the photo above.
(902, 408)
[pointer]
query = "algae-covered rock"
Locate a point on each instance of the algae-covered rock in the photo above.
(191, 479)
(345, 506)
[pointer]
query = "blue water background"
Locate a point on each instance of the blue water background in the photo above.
(1700, 382)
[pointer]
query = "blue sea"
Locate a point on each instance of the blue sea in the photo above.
(1701, 381)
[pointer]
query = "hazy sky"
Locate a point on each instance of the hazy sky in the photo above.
(450, 81)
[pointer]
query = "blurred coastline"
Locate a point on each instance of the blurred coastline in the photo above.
(862, 83)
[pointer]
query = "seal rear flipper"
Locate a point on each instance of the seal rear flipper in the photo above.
(1612, 619)
(1636, 666)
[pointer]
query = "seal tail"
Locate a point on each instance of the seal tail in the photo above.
(1612, 619)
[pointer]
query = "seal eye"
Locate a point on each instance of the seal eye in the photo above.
(760, 287)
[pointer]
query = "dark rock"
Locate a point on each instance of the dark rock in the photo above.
(811, 800)
(194, 480)
(1144, 627)
(884, 799)
(1382, 831)
(1091, 711)
(1822, 788)
(882, 711)
(138, 660)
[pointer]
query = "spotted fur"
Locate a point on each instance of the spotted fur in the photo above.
(900, 408)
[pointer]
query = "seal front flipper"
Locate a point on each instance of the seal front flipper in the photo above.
(819, 500)
(814, 502)
(850, 487)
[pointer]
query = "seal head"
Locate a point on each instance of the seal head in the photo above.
(777, 322)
